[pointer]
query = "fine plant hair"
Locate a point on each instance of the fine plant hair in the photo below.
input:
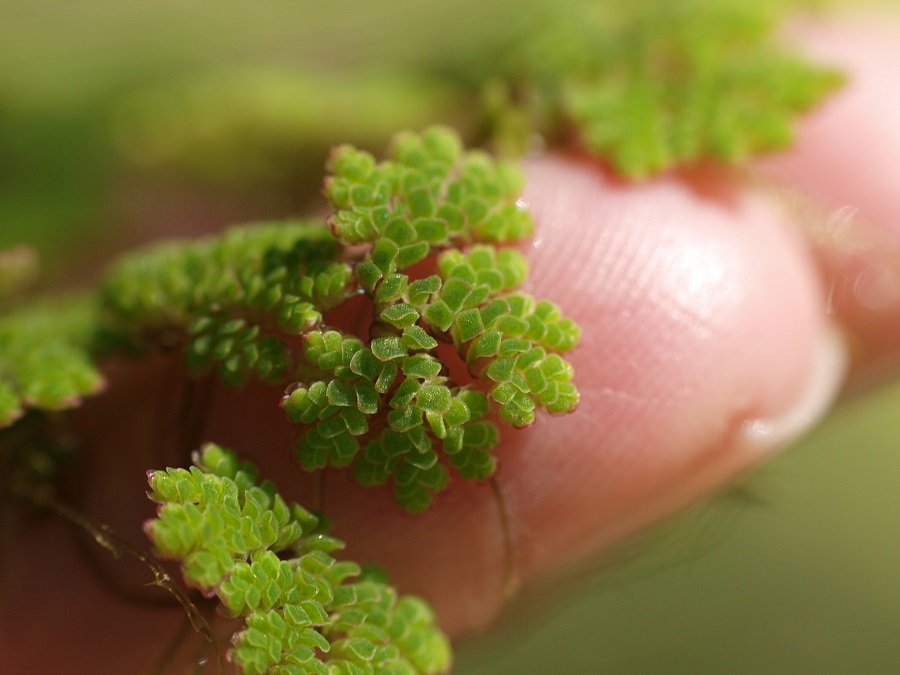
(451, 350)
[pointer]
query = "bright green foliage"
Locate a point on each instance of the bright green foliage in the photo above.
(647, 86)
(389, 408)
(661, 84)
(428, 194)
(696, 81)
(45, 357)
(505, 336)
(233, 297)
(406, 449)
(237, 348)
(251, 302)
(422, 407)
(270, 565)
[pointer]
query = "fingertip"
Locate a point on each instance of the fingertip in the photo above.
(703, 350)
(701, 312)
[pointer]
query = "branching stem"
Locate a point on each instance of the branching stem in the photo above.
(118, 546)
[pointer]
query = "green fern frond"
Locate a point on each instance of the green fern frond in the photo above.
(428, 194)
(505, 336)
(660, 84)
(386, 406)
(230, 298)
(389, 407)
(270, 564)
(699, 80)
(46, 357)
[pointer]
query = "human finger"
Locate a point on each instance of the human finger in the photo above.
(840, 177)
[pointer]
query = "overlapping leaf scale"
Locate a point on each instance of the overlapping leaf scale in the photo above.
(508, 338)
(469, 444)
(429, 193)
(423, 410)
(236, 347)
(689, 81)
(386, 634)
(46, 357)
(395, 379)
(305, 613)
(408, 458)
(340, 407)
(405, 450)
(364, 628)
(211, 522)
(233, 295)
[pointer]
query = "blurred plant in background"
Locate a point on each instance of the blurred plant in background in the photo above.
(106, 109)
(124, 122)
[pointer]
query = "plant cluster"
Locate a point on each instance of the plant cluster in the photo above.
(269, 564)
(386, 405)
(446, 346)
(665, 85)
(424, 235)
(644, 86)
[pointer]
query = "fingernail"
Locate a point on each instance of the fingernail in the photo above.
(766, 435)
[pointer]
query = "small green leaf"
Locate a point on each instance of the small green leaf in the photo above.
(368, 399)
(392, 288)
(400, 316)
(468, 325)
(434, 398)
(405, 393)
(421, 366)
(404, 419)
(421, 290)
(439, 315)
(340, 393)
(416, 338)
(388, 348)
(386, 377)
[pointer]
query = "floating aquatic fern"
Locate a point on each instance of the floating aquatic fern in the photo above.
(381, 403)
(233, 299)
(657, 85)
(698, 80)
(46, 357)
(425, 236)
(428, 193)
(270, 565)
(388, 406)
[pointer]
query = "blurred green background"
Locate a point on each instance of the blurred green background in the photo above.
(121, 121)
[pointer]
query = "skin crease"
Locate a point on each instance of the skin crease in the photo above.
(701, 308)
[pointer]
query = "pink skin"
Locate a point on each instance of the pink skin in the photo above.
(845, 160)
(846, 151)
(703, 316)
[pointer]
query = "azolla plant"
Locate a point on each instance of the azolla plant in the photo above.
(425, 235)
(382, 403)
(450, 349)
